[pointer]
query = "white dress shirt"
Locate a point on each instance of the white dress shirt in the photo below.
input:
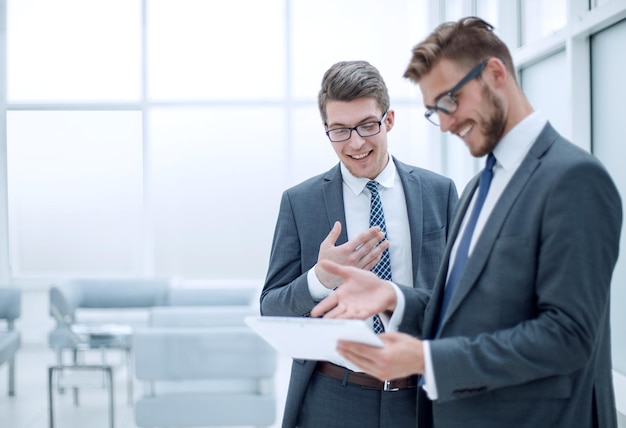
(509, 153)
(356, 199)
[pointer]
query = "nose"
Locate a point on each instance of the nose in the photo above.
(356, 141)
(445, 122)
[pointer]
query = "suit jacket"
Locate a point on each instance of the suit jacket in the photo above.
(525, 341)
(307, 214)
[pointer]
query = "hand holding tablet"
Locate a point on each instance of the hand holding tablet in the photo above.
(312, 338)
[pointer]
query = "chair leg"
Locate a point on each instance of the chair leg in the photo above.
(75, 388)
(109, 374)
(129, 375)
(59, 355)
(12, 376)
(108, 380)
(50, 402)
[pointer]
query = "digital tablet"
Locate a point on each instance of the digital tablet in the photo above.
(312, 338)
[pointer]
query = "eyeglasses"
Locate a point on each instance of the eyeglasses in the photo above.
(447, 103)
(364, 130)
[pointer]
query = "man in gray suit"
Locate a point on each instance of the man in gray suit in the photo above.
(516, 333)
(327, 217)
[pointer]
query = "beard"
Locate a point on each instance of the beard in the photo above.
(493, 125)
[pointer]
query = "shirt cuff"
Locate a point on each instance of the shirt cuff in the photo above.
(429, 373)
(392, 323)
(317, 290)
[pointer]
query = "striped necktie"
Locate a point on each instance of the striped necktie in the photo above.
(462, 253)
(377, 218)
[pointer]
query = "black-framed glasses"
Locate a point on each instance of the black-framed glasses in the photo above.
(447, 103)
(364, 130)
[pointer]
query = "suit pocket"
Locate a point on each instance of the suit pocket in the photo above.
(439, 234)
(556, 387)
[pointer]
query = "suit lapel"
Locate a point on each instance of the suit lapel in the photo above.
(432, 309)
(487, 239)
(414, 205)
(332, 193)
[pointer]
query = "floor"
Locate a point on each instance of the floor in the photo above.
(29, 407)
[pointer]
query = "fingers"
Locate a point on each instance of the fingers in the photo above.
(324, 306)
(368, 239)
(333, 268)
(365, 357)
(368, 248)
(333, 235)
(370, 259)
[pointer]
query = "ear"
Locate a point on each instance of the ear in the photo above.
(390, 119)
(497, 72)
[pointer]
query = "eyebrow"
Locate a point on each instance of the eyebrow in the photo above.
(447, 91)
(367, 119)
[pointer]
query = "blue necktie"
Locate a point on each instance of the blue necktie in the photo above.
(383, 268)
(462, 253)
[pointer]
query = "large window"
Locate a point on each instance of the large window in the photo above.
(73, 50)
(75, 191)
(155, 137)
(608, 97)
(533, 79)
(542, 18)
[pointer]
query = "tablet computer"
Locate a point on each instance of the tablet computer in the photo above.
(312, 338)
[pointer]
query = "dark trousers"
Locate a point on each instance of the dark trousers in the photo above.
(331, 403)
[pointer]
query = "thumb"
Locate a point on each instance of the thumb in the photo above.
(333, 268)
(333, 235)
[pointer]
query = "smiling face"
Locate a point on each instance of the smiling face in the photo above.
(364, 157)
(480, 119)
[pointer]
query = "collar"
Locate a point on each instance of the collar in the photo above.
(386, 178)
(514, 146)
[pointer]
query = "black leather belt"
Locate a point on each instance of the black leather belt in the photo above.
(362, 379)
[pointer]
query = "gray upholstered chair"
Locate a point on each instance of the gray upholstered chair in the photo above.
(201, 316)
(93, 313)
(212, 296)
(204, 376)
(10, 339)
(71, 298)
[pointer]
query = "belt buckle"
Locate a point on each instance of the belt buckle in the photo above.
(387, 386)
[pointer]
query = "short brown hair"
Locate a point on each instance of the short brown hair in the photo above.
(349, 80)
(465, 42)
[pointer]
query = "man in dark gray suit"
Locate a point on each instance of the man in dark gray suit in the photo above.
(516, 333)
(327, 217)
